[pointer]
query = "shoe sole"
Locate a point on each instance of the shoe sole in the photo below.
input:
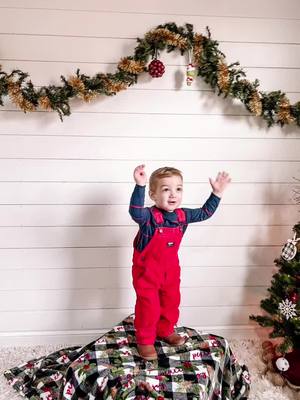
(174, 344)
(149, 358)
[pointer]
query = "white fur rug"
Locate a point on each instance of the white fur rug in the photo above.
(247, 352)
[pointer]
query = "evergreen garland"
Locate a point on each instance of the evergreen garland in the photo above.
(226, 80)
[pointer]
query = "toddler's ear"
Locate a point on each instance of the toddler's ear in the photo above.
(151, 194)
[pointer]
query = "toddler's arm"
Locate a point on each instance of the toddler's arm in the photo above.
(208, 209)
(139, 175)
(220, 183)
(136, 208)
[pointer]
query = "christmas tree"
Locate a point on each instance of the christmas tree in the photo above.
(283, 303)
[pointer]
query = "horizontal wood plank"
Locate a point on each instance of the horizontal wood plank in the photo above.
(117, 215)
(60, 49)
(144, 125)
(94, 278)
(83, 299)
(255, 9)
(92, 193)
(126, 25)
(112, 257)
(90, 148)
(122, 236)
(106, 318)
(116, 171)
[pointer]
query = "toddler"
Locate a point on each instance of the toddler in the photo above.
(156, 269)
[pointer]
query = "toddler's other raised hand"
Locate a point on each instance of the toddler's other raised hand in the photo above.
(139, 175)
(220, 183)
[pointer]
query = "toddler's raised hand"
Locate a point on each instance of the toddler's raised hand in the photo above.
(220, 183)
(139, 175)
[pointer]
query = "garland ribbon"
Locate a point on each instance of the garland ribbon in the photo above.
(227, 80)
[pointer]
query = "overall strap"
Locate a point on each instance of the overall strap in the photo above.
(157, 215)
(180, 215)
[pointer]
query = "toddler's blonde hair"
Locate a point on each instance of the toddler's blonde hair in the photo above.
(160, 173)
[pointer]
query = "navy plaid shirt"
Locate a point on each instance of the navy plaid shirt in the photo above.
(142, 215)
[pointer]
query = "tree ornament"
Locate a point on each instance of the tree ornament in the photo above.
(190, 74)
(282, 364)
(283, 369)
(292, 374)
(190, 70)
(289, 250)
(156, 68)
(287, 309)
(294, 297)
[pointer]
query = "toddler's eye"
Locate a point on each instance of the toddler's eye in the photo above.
(165, 189)
(179, 189)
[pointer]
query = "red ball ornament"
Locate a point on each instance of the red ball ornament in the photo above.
(294, 297)
(156, 68)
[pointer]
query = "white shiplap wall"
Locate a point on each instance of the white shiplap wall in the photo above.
(65, 233)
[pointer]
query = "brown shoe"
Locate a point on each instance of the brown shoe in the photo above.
(147, 351)
(174, 339)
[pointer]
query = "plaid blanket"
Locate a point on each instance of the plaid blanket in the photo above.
(110, 368)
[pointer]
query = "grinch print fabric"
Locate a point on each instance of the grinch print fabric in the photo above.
(204, 368)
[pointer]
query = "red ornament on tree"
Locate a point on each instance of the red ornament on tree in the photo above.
(294, 297)
(156, 68)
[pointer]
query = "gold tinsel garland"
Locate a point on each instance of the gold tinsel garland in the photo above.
(76, 83)
(170, 38)
(114, 87)
(197, 48)
(223, 76)
(210, 62)
(44, 103)
(132, 66)
(284, 114)
(16, 96)
(255, 105)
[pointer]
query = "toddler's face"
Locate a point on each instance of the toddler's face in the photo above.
(168, 193)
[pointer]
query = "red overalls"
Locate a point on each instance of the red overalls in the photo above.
(156, 280)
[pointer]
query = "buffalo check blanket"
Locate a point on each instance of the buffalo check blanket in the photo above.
(110, 368)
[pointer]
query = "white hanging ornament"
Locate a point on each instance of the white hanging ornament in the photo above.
(287, 308)
(282, 364)
(190, 70)
(289, 250)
